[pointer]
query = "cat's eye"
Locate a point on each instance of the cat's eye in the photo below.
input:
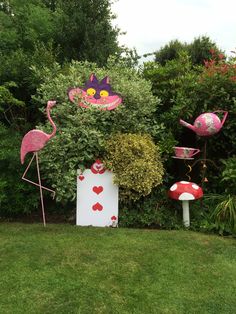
(91, 91)
(104, 93)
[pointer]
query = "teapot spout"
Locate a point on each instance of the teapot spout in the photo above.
(187, 125)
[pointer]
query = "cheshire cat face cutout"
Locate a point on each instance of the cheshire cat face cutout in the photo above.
(95, 94)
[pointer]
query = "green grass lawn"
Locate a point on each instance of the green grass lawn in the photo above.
(69, 269)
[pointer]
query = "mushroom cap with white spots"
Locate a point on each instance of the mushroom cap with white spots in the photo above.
(185, 191)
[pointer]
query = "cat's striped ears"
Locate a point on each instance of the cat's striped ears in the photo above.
(105, 80)
(93, 78)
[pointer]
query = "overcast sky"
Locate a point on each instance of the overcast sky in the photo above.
(150, 24)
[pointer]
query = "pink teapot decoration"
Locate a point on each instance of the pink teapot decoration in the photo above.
(206, 124)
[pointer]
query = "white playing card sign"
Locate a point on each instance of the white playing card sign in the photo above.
(97, 197)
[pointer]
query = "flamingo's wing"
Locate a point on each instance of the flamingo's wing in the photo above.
(33, 141)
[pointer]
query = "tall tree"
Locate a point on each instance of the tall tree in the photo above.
(170, 51)
(33, 35)
(60, 30)
(84, 30)
(199, 50)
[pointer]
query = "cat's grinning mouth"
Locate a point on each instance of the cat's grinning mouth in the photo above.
(106, 105)
(103, 106)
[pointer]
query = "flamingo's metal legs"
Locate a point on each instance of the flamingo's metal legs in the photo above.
(35, 155)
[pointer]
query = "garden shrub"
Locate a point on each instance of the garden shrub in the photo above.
(224, 205)
(216, 212)
(228, 175)
(82, 133)
(155, 210)
(16, 196)
(224, 214)
(188, 91)
(220, 214)
(136, 163)
(215, 89)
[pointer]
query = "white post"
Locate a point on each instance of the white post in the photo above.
(186, 218)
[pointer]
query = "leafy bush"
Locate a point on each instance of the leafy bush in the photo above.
(214, 89)
(155, 210)
(82, 133)
(224, 214)
(223, 206)
(11, 109)
(16, 196)
(136, 163)
(167, 80)
(188, 91)
(228, 175)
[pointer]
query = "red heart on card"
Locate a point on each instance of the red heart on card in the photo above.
(97, 206)
(81, 178)
(97, 189)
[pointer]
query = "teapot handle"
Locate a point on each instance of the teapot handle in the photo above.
(225, 115)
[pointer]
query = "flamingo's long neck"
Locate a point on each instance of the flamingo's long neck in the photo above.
(52, 123)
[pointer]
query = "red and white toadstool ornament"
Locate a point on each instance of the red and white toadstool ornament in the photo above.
(185, 191)
(114, 223)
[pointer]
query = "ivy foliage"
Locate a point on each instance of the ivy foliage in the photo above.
(136, 163)
(82, 133)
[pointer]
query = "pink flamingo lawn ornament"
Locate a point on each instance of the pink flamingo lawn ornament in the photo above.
(34, 141)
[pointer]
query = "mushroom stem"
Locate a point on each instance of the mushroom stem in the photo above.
(186, 219)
